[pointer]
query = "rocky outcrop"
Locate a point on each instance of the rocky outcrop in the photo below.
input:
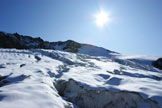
(18, 41)
(68, 45)
(158, 63)
(88, 98)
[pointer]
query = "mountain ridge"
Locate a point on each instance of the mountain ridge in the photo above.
(15, 40)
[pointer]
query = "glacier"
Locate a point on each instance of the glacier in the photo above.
(50, 78)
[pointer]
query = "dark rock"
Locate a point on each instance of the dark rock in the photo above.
(72, 46)
(18, 41)
(22, 65)
(158, 63)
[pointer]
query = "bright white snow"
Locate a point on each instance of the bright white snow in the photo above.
(32, 74)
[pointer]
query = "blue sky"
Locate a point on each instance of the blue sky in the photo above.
(136, 26)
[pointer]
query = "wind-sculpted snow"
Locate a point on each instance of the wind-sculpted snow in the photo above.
(57, 79)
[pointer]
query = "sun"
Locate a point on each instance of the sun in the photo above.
(102, 18)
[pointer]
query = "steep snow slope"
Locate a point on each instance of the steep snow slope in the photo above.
(56, 79)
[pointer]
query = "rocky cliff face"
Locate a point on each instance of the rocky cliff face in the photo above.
(20, 42)
(26, 42)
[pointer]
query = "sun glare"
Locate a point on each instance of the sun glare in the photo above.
(102, 18)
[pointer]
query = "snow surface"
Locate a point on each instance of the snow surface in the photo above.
(32, 74)
(96, 51)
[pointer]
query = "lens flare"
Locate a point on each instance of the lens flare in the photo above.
(102, 18)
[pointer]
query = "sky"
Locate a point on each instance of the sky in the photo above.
(135, 26)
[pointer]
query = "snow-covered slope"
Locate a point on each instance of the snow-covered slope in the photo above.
(38, 78)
